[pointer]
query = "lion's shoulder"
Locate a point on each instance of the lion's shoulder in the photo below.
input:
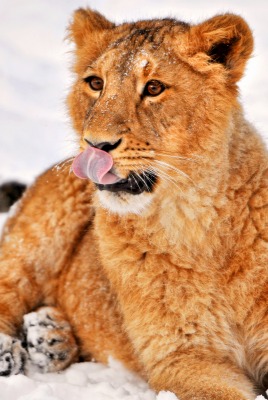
(57, 199)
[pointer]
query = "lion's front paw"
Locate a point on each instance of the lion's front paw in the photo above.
(13, 357)
(49, 339)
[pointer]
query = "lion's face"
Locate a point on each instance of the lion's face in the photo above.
(158, 107)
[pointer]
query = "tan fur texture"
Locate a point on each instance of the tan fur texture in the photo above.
(172, 282)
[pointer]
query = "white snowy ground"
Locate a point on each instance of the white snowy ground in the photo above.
(35, 133)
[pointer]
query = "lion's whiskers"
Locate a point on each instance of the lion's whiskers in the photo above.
(158, 172)
(193, 158)
(172, 168)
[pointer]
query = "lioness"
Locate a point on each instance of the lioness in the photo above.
(156, 253)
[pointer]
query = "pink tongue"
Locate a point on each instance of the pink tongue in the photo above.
(95, 164)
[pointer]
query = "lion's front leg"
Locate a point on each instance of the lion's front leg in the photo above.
(36, 245)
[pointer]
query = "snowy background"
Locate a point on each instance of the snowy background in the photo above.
(35, 133)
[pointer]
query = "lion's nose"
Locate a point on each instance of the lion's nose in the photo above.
(105, 146)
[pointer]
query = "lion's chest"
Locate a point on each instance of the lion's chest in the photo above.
(140, 261)
(157, 294)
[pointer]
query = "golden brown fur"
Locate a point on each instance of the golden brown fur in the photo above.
(172, 283)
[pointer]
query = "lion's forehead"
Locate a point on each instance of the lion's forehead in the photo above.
(140, 62)
(138, 45)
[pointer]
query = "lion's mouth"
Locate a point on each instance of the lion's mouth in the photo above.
(97, 164)
(134, 184)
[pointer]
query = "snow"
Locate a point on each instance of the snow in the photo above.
(84, 381)
(143, 63)
(35, 133)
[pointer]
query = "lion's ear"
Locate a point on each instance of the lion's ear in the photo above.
(84, 23)
(226, 39)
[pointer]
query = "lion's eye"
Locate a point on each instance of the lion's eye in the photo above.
(153, 88)
(94, 82)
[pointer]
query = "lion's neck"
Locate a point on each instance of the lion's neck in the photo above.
(172, 223)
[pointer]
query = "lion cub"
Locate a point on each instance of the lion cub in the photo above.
(154, 249)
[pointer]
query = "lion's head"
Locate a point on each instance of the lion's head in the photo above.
(154, 103)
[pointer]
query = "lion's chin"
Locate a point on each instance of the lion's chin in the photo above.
(125, 203)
